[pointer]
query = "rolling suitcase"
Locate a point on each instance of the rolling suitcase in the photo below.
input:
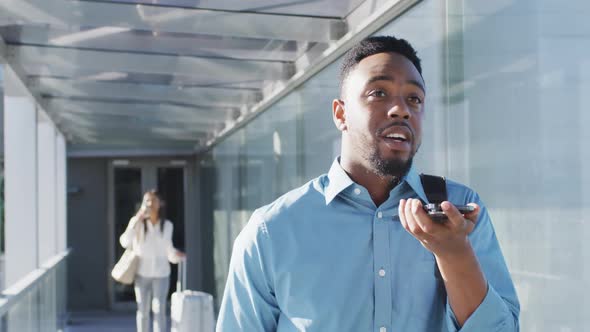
(189, 310)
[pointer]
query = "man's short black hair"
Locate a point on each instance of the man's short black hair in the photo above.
(374, 45)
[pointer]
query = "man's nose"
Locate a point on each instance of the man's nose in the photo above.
(399, 108)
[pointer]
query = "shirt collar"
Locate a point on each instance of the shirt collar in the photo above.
(338, 180)
(413, 180)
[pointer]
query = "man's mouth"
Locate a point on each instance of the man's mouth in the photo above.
(398, 137)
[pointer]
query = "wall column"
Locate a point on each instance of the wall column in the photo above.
(20, 169)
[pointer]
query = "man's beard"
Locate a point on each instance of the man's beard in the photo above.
(396, 168)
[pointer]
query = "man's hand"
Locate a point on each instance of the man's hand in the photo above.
(445, 239)
(458, 265)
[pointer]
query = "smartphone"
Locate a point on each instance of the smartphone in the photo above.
(146, 210)
(436, 214)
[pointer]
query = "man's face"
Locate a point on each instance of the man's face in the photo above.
(383, 104)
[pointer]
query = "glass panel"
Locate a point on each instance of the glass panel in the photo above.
(292, 7)
(198, 45)
(525, 79)
(127, 190)
(1, 179)
(320, 140)
(1, 113)
(1, 222)
(171, 188)
(40, 307)
(505, 114)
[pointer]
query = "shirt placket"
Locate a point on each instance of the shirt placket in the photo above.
(382, 273)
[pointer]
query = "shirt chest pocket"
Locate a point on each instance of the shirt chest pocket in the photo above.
(418, 289)
(423, 295)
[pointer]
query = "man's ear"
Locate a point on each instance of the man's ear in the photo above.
(339, 114)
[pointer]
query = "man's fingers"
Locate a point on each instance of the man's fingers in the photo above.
(401, 213)
(454, 216)
(473, 215)
(412, 226)
(421, 217)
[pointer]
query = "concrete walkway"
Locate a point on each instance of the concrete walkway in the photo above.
(101, 321)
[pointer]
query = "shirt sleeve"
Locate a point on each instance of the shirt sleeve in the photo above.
(249, 302)
(499, 311)
(126, 239)
(170, 250)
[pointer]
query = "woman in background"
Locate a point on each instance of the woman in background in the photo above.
(151, 238)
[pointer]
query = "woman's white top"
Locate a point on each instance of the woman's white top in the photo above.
(154, 247)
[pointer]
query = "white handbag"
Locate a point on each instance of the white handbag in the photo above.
(126, 267)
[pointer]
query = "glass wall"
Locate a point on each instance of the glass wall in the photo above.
(38, 303)
(1, 178)
(505, 114)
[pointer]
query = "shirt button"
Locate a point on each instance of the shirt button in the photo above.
(379, 214)
(383, 329)
(357, 191)
(382, 273)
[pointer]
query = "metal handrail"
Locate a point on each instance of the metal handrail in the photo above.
(13, 294)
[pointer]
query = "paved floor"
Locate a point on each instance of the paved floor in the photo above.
(101, 321)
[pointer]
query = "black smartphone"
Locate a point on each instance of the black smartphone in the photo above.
(436, 214)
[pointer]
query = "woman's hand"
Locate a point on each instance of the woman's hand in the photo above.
(142, 213)
(181, 255)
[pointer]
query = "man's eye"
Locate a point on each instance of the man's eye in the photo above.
(377, 93)
(415, 100)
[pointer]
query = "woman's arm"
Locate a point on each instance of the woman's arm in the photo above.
(126, 238)
(174, 255)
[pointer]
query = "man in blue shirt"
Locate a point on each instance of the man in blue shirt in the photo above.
(353, 250)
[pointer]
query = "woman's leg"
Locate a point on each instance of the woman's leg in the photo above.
(160, 288)
(143, 297)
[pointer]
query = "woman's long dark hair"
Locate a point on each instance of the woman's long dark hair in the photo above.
(161, 210)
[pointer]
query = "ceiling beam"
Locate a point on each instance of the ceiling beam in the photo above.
(112, 139)
(55, 106)
(119, 131)
(144, 42)
(136, 121)
(198, 96)
(68, 14)
(71, 58)
(132, 131)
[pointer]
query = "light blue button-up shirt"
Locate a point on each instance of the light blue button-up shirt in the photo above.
(324, 258)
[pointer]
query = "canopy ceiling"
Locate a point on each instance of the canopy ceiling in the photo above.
(165, 74)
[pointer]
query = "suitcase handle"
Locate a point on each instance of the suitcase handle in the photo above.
(181, 277)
